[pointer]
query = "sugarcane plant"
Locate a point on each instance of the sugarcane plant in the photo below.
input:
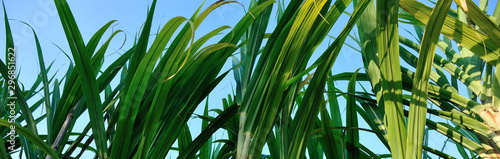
(151, 81)
(283, 98)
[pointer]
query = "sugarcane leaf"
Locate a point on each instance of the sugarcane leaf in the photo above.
(206, 134)
(86, 75)
(10, 54)
(418, 103)
(458, 31)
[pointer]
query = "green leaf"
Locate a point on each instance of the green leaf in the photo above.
(46, 89)
(467, 37)
(480, 18)
(496, 88)
(21, 100)
(352, 135)
(418, 103)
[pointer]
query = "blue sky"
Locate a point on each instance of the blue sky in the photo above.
(93, 14)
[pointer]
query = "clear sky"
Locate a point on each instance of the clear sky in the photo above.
(93, 14)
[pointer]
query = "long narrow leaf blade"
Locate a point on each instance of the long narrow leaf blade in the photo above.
(388, 51)
(418, 102)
